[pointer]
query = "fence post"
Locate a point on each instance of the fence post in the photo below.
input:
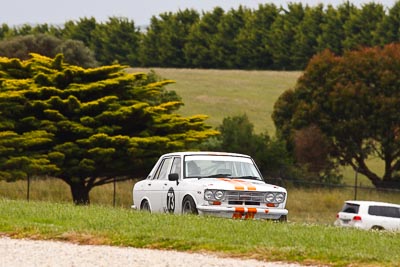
(114, 193)
(355, 184)
(28, 188)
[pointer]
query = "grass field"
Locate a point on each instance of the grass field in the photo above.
(223, 93)
(262, 240)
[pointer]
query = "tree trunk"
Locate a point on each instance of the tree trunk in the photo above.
(80, 193)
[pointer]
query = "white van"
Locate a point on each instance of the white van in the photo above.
(369, 215)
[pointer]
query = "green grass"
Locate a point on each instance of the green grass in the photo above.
(262, 240)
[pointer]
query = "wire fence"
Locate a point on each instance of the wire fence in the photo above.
(359, 191)
(120, 193)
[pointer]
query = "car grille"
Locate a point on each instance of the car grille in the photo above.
(244, 197)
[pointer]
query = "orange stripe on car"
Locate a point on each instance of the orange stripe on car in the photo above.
(239, 209)
(252, 210)
(237, 187)
(250, 186)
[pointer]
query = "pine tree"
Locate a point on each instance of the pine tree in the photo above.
(87, 127)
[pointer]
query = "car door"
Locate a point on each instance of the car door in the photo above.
(386, 216)
(156, 188)
(171, 200)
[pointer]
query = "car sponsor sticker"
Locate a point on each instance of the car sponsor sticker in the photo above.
(171, 200)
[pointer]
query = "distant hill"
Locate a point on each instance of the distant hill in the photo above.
(223, 93)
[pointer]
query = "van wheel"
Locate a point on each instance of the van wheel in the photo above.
(188, 206)
(377, 228)
(145, 206)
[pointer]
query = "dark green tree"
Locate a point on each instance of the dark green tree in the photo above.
(252, 43)
(5, 31)
(354, 101)
(388, 30)
(166, 37)
(199, 47)
(117, 40)
(332, 31)
(282, 35)
(360, 29)
(305, 43)
(81, 30)
(224, 46)
(87, 127)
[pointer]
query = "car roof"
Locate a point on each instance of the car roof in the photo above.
(376, 203)
(210, 153)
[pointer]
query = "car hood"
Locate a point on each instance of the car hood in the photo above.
(238, 184)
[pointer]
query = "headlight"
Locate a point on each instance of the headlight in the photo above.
(274, 197)
(219, 195)
(280, 197)
(269, 197)
(208, 195)
(214, 195)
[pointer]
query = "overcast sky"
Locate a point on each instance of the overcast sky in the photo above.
(17, 12)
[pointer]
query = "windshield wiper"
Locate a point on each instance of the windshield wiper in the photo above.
(249, 177)
(218, 175)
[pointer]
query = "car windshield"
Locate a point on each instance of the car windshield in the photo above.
(214, 166)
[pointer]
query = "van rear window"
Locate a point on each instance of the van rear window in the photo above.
(350, 208)
(384, 211)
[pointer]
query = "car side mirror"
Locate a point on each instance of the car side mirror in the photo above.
(173, 177)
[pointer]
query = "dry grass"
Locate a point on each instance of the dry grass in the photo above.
(315, 205)
(223, 93)
(55, 190)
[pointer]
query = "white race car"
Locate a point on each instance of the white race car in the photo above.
(210, 183)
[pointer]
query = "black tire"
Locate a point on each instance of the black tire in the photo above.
(188, 206)
(377, 228)
(145, 206)
(283, 218)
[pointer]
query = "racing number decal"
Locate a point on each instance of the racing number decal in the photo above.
(171, 200)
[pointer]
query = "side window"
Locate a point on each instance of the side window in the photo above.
(162, 172)
(176, 166)
(384, 211)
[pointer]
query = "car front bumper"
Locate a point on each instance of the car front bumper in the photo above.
(240, 212)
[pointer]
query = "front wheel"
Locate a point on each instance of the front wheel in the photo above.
(188, 206)
(283, 218)
(145, 206)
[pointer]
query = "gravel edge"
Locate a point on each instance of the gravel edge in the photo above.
(26, 252)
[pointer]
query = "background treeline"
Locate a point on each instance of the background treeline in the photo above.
(269, 37)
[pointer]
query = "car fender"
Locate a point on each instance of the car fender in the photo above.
(179, 200)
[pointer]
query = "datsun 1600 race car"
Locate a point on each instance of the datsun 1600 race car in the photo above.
(210, 183)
